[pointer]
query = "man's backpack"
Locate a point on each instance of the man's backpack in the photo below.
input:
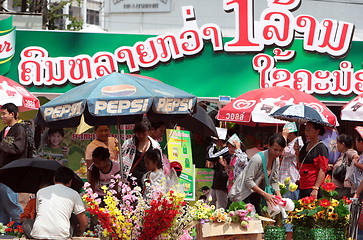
(31, 151)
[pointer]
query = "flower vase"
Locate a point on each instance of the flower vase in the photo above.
(302, 233)
(275, 233)
(327, 234)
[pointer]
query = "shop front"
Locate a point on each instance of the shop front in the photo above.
(300, 52)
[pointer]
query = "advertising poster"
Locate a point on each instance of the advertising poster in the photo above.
(76, 143)
(180, 150)
(203, 177)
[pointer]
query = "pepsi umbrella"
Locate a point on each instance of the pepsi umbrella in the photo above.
(115, 99)
(27, 174)
(300, 113)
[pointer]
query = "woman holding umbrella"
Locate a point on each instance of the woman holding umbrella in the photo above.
(313, 160)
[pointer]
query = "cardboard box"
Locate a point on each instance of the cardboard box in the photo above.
(84, 238)
(220, 231)
(73, 238)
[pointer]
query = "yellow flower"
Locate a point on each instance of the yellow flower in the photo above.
(311, 206)
(287, 180)
(320, 214)
(330, 209)
(293, 187)
(299, 209)
(289, 219)
(333, 216)
(281, 185)
(334, 202)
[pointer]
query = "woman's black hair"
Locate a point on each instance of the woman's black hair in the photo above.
(143, 126)
(102, 154)
(154, 156)
(277, 138)
(346, 139)
(319, 127)
(156, 125)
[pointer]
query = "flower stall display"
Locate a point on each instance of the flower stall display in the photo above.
(324, 218)
(238, 220)
(127, 215)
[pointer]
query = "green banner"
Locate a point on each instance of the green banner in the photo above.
(7, 44)
(180, 150)
(45, 56)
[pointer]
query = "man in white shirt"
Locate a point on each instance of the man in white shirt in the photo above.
(54, 207)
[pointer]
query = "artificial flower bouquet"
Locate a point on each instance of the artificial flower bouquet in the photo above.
(238, 212)
(237, 220)
(11, 229)
(202, 212)
(287, 187)
(127, 215)
(322, 215)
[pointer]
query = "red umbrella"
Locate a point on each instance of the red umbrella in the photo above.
(13, 92)
(255, 106)
(353, 111)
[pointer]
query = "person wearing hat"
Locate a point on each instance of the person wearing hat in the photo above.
(219, 149)
(177, 167)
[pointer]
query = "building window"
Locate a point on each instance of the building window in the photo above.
(93, 17)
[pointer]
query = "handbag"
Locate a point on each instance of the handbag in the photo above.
(340, 172)
(268, 188)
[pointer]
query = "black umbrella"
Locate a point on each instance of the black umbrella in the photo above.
(300, 113)
(27, 174)
(199, 122)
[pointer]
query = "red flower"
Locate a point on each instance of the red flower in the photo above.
(329, 187)
(159, 217)
(324, 203)
(308, 200)
(346, 200)
(10, 224)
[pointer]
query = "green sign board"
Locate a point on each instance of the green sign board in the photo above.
(209, 74)
(324, 62)
(180, 150)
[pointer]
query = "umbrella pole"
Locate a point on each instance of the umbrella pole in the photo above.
(171, 134)
(119, 148)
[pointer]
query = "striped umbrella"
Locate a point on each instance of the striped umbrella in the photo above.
(300, 113)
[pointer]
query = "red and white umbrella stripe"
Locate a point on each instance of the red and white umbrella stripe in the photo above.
(13, 92)
(255, 106)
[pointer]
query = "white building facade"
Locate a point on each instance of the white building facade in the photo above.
(161, 16)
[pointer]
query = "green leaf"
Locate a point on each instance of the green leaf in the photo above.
(237, 206)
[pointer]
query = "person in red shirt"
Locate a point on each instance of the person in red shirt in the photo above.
(313, 161)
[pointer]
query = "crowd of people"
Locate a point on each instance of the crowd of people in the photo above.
(286, 156)
(57, 211)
